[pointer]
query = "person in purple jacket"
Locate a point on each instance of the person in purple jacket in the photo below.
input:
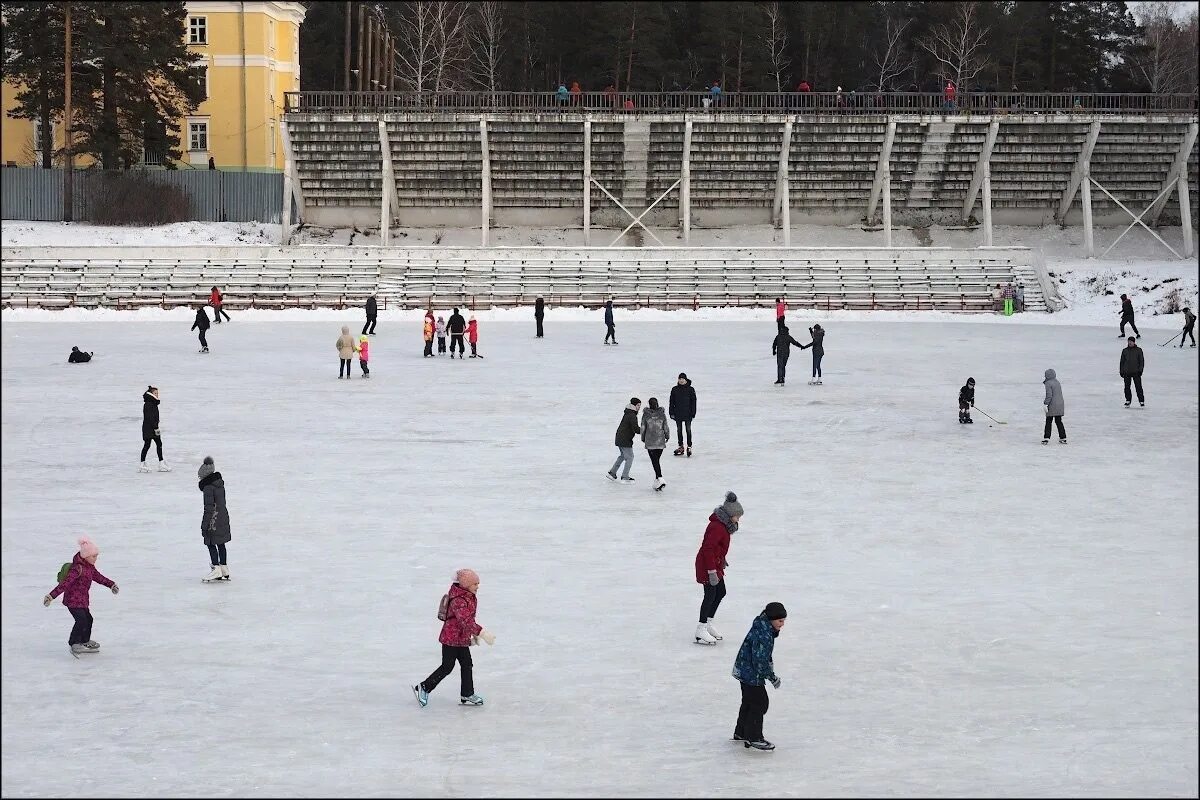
(74, 588)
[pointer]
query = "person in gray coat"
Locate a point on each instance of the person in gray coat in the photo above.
(1055, 408)
(656, 432)
(214, 525)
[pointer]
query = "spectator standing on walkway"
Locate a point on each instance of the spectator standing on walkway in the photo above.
(950, 95)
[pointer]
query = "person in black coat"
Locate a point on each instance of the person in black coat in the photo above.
(818, 347)
(201, 323)
(1127, 317)
(372, 313)
(682, 409)
(456, 325)
(214, 523)
(609, 323)
(79, 357)
(1133, 361)
(150, 430)
(626, 430)
(781, 348)
(539, 311)
(966, 400)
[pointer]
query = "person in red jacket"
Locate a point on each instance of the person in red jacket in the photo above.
(949, 93)
(473, 336)
(459, 632)
(215, 300)
(780, 312)
(711, 564)
(75, 590)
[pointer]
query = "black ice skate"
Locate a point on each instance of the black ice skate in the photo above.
(761, 744)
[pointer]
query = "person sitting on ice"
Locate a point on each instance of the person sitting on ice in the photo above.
(966, 400)
(79, 357)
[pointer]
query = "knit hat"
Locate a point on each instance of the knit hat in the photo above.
(775, 611)
(970, 381)
(362, 338)
(466, 577)
(633, 401)
(74, 349)
(731, 505)
(87, 547)
(684, 376)
(207, 468)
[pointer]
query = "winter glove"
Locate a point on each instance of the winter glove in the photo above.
(115, 588)
(47, 600)
(774, 679)
(713, 580)
(488, 637)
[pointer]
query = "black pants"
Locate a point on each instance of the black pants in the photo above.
(817, 364)
(456, 340)
(540, 334)
(146, 440)
(203, 341)
(441, 344)
(370, 323)
(713, 595)
(750, 715)
(473, 353)
(1128, 321)
(344, 367)
(1186, 333)
(428, 347)
(779, 323)
(216, 553)
(81, 631)
(656, 460)
(1062, 432)
(682, 425)
(217, 312)
(365, 369)
(612, 332)
(449, 656)
(780, 367)
(1137, 382)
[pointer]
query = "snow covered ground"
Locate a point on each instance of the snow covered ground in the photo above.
(971, 613)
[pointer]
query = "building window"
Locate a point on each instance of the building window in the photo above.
(198, 136)
(271, 35)
(197, 30)
(271, 141)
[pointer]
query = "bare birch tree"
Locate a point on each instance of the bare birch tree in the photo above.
(432, 45)
(775, 37)
(959, 45)
(486, 35)
(1167, 52)
(890, 56)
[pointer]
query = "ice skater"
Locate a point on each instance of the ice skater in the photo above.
(711, 564)
(473, 337)
(1189, 323)
(75, 586)
(655, 435)
(609, 323)
(1133, 362)
(363, 355)
(345, 350)
(626, 429)
(1056, 407)
(818, 351)
(754, 667)
(428, 328)
(79, 357)
(217, 302)
(781, 348)
(682, 408)
(456, 325)
(1127, 317)
(539, 312)
(150, 430)
(372, 316)
(459, 632)
(214, 524)
(780, 313)
(439, 328)
(966, 401)
(201, 323)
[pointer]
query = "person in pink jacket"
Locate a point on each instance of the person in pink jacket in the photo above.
(473, 336)
(780, 312)
(363, 346)
(75, 588)
(459, 632)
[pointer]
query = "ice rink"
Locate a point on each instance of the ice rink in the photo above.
(970, 612)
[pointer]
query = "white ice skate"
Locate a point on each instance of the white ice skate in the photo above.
(224, 572)
(712, 631)
(215, 575)
(164, 466)
(79, 649)
(659, 485)
(703, 636)
(143, 467)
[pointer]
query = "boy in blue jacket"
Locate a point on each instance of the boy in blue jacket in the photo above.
(753, 667)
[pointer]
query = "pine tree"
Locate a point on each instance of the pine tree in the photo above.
(33, 59)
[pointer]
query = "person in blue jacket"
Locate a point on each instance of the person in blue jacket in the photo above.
(753, 668)
(608, 320)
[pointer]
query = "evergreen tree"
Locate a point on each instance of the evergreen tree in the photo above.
(33, 59)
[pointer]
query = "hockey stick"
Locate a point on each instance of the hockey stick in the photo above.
(1173, 338)
(989, 416)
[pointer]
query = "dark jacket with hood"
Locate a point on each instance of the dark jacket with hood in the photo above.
(149, 415)
(683, 401)
(201, 320)
(372, 308)
(1127, 308)
(78, 356)
(628, 428)
(456, 324)
(1133, 361)
(539, 308)
(214, 525)
(818, 340)
(608, 313)
(967, 394)
(782, 346)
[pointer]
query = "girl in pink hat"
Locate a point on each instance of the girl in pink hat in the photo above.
(75, 587)
(459, 632)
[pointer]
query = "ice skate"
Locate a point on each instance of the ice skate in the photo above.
(627, 480)
(703, 636)
(421, 695)
(737, 737)
(78, 649)
(712, 631)
(92, 645)
(689, 451)
(1062, 441)
(659, 484)
(224, 572)
(473, 700)
(215, 575)
(678, 451)
(611, 476)
(1141, 404)
(1045, 441)
(969, 421)
(819, 383)
(143, 467)
(164, 466)
(1127, 404)
(761, 744)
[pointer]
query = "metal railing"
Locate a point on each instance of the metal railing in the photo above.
(744, 102)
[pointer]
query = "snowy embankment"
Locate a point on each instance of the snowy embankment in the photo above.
(1139, 266)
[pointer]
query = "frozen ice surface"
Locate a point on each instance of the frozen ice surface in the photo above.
(971, 613)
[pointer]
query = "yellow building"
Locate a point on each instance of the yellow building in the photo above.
(251, 56)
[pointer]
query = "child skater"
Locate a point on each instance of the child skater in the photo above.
(362, 355)
(459, 632)
(74, 586)
(441, 336)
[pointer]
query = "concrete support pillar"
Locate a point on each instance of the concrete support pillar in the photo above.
(388, 186)
(1178, 167)
(1089, 241)
(882, 168)
(782, 175)
(285, 233)
(987, 204)
(685, 187)
(887, 205)
(985, 157)
(485, 193)
(1185, 213)
(587, 181)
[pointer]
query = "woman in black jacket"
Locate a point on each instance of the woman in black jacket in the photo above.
(150, 432)
(201, 323)
(682, 409)
(214, 525)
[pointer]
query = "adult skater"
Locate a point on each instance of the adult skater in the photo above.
(79, 357)
(682, 408)
(711, 564)
(459, 632)
(75, 587)
(1127, 317)
(427, 330)
(1189, 323)
(345, 349)
(754, 667)
(201, 323)
(966, 401)
(626, 429)
(372, 316)
(457, 325)
(781, 348)
(214, 524)
(609, 324)
(1055, 407)
(655, 435)
(818, 351)
(539, 311)
(150, 429)
(217, 301)
(1010, 294)
(780, 313)
(1133, 361)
